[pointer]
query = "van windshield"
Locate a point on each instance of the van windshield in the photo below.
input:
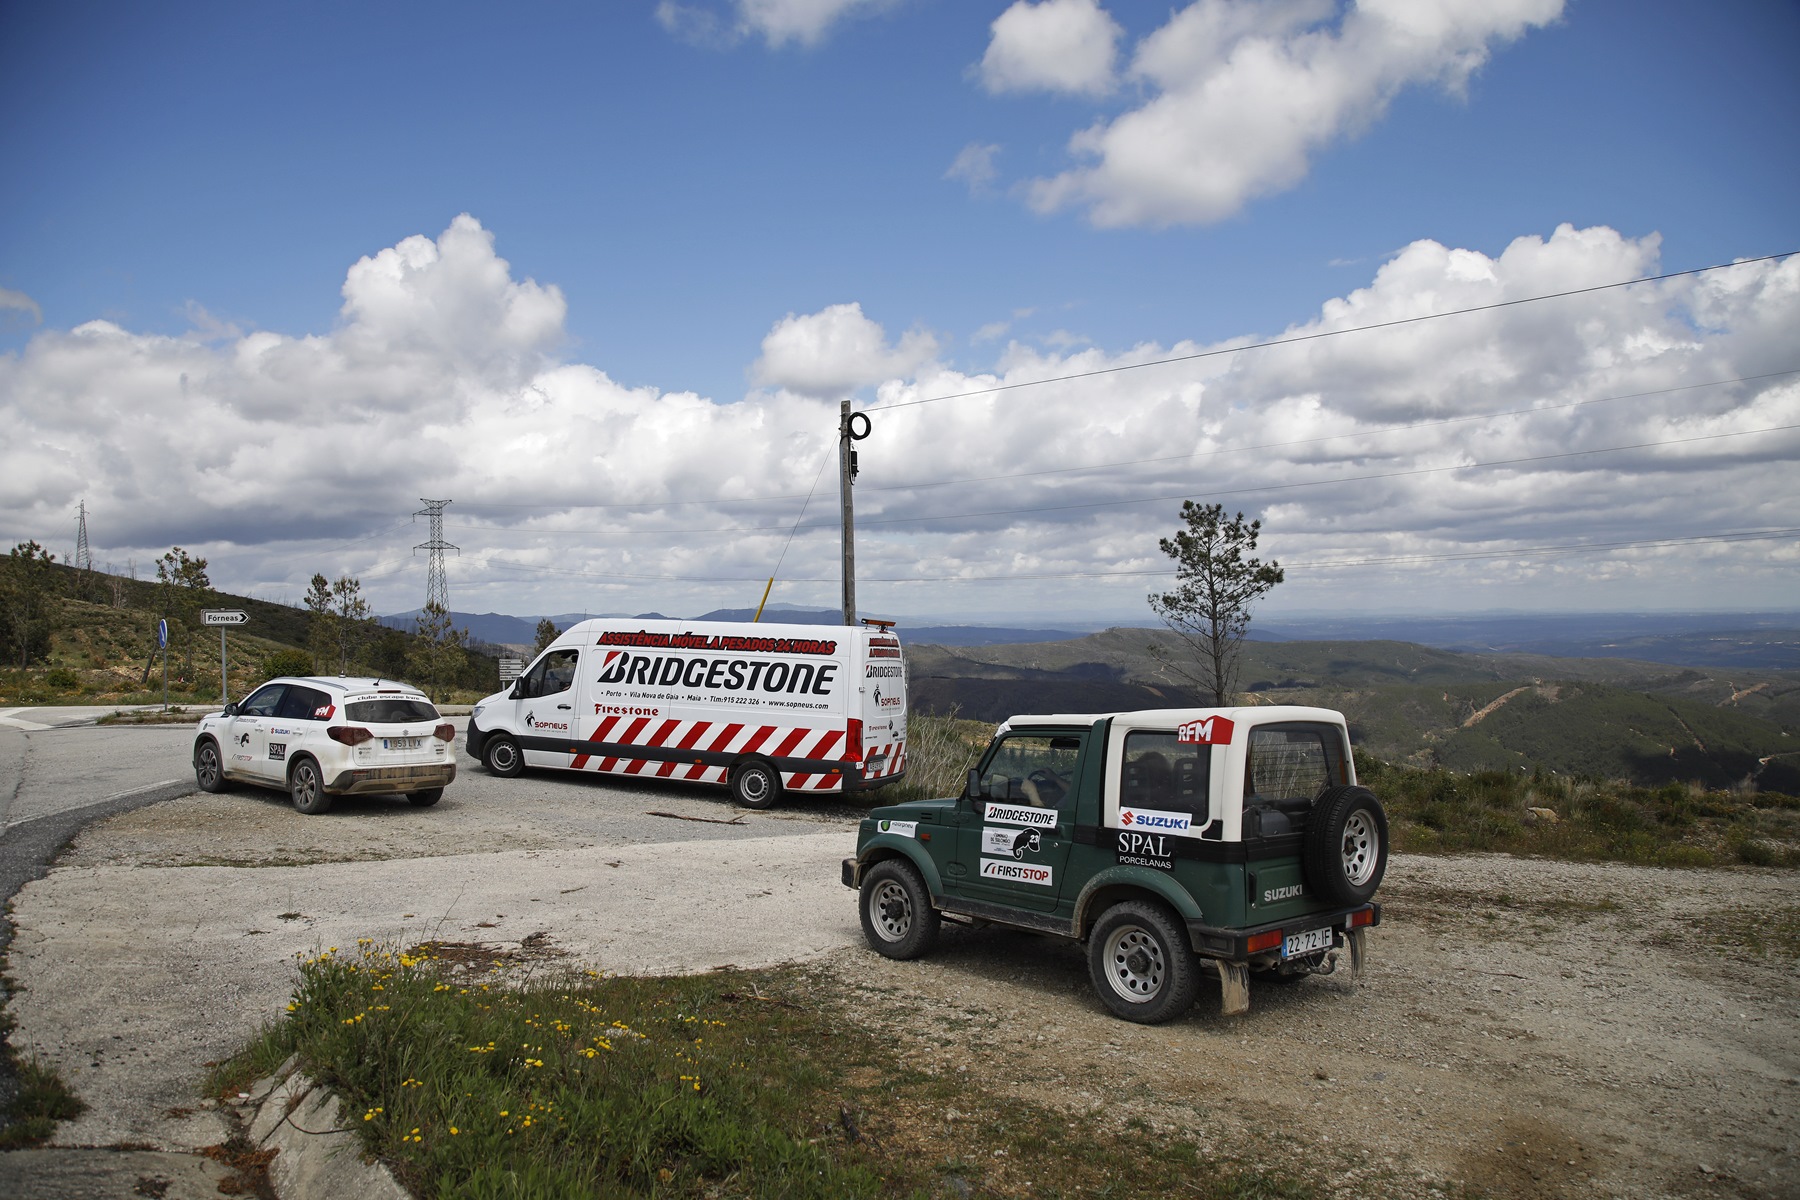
(387, 711)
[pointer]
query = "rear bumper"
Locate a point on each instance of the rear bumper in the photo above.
(367, 780)
(1233, 945)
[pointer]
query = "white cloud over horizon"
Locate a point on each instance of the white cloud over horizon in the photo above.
(1240, 96)
(277, 455)
(1053, 46)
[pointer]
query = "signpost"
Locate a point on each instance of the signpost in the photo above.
(162, 643)
(223, 617)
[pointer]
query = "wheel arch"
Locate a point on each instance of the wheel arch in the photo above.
(1130, 883)
(887, 846)
(306, 756)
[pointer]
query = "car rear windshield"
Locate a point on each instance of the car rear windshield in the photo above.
(393, 711)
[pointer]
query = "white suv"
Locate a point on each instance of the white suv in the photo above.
(319, 738)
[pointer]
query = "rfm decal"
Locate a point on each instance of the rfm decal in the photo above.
(1207, 731)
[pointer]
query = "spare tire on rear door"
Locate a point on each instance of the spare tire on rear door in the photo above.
(1346, 845)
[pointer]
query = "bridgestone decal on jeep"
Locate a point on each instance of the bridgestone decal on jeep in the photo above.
(1016, 842)
(1013, 814)
(1145, 850)
(1013, 872)
(1154, 818)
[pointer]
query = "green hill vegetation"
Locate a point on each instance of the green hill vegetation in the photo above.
(85, 637)
(1602, 718)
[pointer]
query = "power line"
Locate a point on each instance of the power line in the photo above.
(1187, 495)
(1551, 550)
(1326, 333)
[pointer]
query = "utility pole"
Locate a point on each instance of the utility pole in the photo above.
(437, 581)
(848, 431)
(84, 558)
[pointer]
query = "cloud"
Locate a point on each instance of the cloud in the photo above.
(1620, 415)
(18, 302)
(1242, 95)
(1052, 46)
(776, 22)
(834, 351)
(974, 165)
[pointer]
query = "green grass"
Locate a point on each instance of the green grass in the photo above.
(726, 1084)
(1434, 811)
(36, 1100)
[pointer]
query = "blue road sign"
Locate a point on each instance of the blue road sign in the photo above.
(162, 633)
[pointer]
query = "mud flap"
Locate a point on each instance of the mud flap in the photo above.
(1355, 938)
(1234, 987)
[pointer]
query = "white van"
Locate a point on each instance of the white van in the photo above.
(760, 708)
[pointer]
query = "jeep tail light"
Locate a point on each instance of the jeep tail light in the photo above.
(1364, 917)
(350, 735)
(1263, 941)
(445, 732)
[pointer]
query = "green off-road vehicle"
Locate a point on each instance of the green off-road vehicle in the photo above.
(1161, 838)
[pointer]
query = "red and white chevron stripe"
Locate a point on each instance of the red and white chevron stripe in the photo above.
(772, 741)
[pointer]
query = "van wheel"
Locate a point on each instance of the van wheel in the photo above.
(501, 754)
(755, 785)
(897, 917)
(1141, 964)
(1346, 846)
(307, 788)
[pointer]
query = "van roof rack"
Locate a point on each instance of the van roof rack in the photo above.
(879, 624)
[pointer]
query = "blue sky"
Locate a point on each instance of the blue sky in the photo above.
(677, 180)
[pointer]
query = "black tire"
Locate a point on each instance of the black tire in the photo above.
(1346, 849)
(1141, 964)
(209, 767)
(755, 785)
(501, 755)
(306, 787)
(897, 917)
(425, 797)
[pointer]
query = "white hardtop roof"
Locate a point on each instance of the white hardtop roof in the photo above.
(1254, 714)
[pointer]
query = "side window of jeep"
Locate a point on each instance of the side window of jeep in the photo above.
(1166, 775)
(1034, 769)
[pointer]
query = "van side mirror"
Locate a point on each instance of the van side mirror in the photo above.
(518, 689)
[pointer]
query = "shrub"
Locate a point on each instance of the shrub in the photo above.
(287, 662)
(62, 679)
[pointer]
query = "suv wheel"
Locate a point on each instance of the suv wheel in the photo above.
(1141, 964)
(897, 917)
(209, 770)
(501, 754)
(307, 787)
(1346, 845)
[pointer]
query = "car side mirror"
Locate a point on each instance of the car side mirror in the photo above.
(973, 790)
(230, 709)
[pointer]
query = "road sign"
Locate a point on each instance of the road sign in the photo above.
(162, 633)
(224, 616)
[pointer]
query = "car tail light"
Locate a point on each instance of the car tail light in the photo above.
(350, 735)
(1263, 941)
(445, 732)
(1364, 917)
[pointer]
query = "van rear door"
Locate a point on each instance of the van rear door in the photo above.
(883, 704)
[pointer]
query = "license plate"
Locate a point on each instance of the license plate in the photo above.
(411, 743)
(1310, 942)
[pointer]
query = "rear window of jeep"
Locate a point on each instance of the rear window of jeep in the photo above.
(1160, 772)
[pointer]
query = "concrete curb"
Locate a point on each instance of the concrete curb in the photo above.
(317, 1157)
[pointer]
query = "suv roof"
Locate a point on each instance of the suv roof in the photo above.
(347, 683)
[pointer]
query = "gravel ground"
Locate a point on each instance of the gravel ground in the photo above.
(1526, 1028)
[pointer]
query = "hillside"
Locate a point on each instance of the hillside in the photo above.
(1650, 723)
